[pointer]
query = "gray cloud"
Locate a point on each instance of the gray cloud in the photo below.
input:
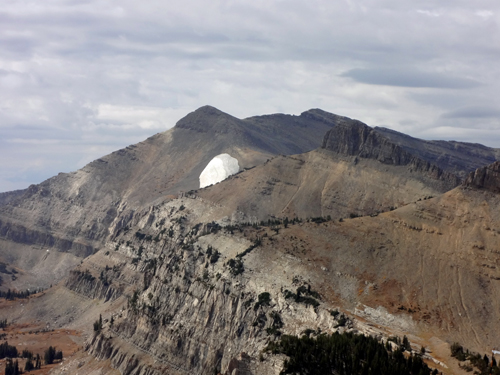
(409, 78)
(474, 112)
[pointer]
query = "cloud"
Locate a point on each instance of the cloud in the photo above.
(474, 112)
(409, 78)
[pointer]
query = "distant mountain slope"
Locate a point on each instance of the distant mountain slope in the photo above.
(459, 158)
(356, 172)
(9, 196)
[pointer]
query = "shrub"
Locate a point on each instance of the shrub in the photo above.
(263, 300)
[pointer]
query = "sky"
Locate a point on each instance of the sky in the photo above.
(82, 78)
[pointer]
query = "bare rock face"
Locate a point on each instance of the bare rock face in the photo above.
(353, 138)
(220, 167)
(459, 158)
(485, 178)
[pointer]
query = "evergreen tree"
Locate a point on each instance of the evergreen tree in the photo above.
(50, 355)
(29, 365)
(406, 344)
(12, 368)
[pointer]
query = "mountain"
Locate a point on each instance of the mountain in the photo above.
(356, 172)
(72, 213)
(330, 226)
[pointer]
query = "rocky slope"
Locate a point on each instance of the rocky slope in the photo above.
(193, 291)
(9, 196)
(74, 212)
(357, 171)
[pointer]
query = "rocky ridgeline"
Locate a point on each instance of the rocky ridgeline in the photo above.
(188, 310)
(353, 138)
(487, 177)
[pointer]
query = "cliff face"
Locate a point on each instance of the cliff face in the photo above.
(353, 138)
(193, 305)
(459, 158)
(487, 178)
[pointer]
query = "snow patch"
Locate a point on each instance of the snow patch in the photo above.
(220, 167)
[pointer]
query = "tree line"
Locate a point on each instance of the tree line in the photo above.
(32, 361)
(13, 294)
(345, 354)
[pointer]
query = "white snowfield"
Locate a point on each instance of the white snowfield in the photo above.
(220, 167)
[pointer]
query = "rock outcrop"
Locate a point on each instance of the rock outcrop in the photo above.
(354, 138)
(459, 158)
(487, 177)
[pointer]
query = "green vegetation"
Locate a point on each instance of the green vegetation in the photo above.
(132, 301)
(236, 266)
(342, 321)
(7, 350)
(276, 324)
(104, 278)
(12, 368)
(13, 294)
(334, 313)
(344, 354)
(482, 364)
(263, 300)
(304, 295)
(85, 275)
(321, 219)
(256, 243)
(51, 354)
(213, 254)
(98, 324)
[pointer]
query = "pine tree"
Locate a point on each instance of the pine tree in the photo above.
(406, 344)
(29, 365)
(50, 355)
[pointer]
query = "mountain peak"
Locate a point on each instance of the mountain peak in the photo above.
(206, 119)
(323, 116)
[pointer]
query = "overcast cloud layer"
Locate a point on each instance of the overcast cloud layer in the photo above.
(79, 79)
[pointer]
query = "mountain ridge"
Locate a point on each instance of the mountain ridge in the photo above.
(352, 233)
